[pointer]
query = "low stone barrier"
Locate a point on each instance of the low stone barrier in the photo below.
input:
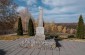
(32, 42)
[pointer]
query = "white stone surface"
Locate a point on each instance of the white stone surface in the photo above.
(40, 31)
(40, 18)
(40, 37)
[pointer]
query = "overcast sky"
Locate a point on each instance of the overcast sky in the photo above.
(59, 11)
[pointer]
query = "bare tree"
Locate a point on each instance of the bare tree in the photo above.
(60, 28)
(64, 30)
(25, 16)
(8, 15)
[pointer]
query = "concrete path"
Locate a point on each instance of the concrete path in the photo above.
(66, 48)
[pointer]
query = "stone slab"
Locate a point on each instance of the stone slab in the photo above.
(40, 37)
(40, 31)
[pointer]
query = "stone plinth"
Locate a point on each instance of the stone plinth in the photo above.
(40, 33)
(40, 37)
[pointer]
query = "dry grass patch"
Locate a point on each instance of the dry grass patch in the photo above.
(74, 39)
(14, 37)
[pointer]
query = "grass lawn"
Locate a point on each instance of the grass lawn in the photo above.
(12, 37)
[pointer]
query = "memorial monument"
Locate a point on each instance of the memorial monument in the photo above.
(39, 39)
(40, 29)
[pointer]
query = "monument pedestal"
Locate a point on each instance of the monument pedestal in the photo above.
(40, 33)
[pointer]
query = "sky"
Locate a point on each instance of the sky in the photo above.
(59, 11)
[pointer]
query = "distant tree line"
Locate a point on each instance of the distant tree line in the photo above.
(54, 28)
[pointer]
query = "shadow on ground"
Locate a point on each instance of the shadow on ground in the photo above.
(57, 43)
(2, 52)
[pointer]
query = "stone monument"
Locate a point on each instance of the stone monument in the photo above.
(40, 29)
(39, 39)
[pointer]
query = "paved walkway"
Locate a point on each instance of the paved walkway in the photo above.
(67, 48)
